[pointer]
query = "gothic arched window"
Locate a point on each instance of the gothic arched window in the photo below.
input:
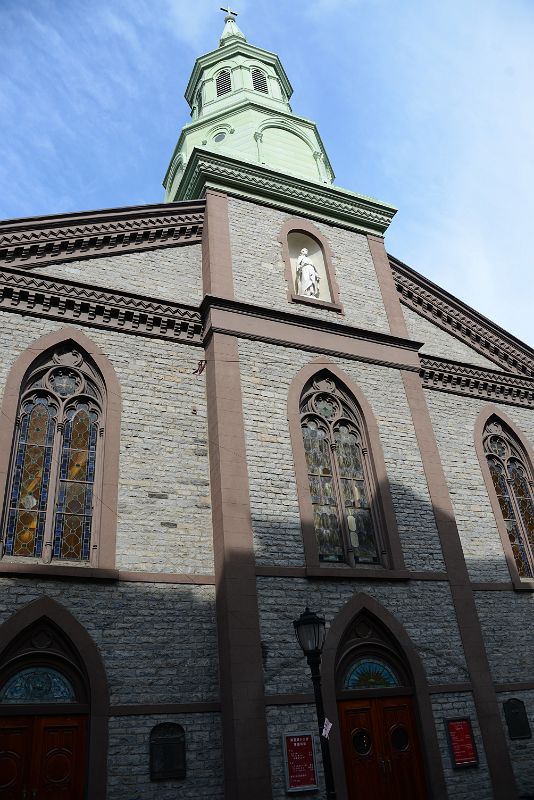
(223, 82)
(55, 458)
(259, 81)
(340, 476)
(513, 482)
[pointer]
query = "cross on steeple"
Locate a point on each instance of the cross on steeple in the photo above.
(229, 11)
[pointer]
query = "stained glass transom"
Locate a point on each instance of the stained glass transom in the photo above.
(370, 673)
(50, 508)
(513, 483)
(335, 454)
(38, 685)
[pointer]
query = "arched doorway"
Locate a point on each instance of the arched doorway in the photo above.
(376, 709)
(52, 734)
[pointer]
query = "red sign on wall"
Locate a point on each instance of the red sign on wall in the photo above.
(461, 742)
(299, 761)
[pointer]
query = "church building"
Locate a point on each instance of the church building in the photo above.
(225, 409)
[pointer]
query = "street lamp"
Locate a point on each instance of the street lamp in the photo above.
(310, 632)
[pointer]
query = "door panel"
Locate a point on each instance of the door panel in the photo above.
(15, 753)
(42, 757)
(381, 750)
(59, 758)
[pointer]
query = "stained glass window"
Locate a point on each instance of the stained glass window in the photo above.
(513, 483)
(335, 455)
(370, 673)
(50, 502)
(38, 685)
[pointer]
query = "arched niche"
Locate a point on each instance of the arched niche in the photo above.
(309, 270)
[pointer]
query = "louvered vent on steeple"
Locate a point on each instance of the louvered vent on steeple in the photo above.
(259, 81)
(223, 82)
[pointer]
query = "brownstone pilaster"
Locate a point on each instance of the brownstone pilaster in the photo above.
(244, 723)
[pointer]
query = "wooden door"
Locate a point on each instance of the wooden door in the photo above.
(381, 749)
(42, 758)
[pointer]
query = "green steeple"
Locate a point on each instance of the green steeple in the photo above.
(239, 98)
(244, 140)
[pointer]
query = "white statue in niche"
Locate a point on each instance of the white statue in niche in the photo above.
(307, 276)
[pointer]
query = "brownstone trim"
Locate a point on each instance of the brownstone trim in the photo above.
(488, 713)
(447, 688)
(388, 534)
(38, 241)
(514, 686)
(302, 225)
(492, 587)
(297, 699)
(217, 277)
(258, 323)
(244, 723)
(350, 573)
(142, 709)
(194, 579)
(481, 420)
(487, 384)
(95, 675)
(390, 296)
(72, 301)
(427, 732)
(106, 490)
(461, 321)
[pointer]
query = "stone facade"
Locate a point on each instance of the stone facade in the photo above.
(209, 565)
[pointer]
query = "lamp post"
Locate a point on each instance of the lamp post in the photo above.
(310, 633)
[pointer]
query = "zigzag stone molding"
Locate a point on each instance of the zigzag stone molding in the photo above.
(68, 301)
(68, 237)
(255, 182)
(458, 319)
(501, 387)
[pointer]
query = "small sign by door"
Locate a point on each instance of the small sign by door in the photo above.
(461, 742)
(299, 762)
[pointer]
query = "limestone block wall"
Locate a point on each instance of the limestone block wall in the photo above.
(258, 267)
(267, 372)
(128, 759)
(435, 635)
(172, 273)
(506, 621)
(453, 420)
(164, 515)
(157, 641)
(438, 342)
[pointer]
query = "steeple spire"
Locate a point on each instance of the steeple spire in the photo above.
(231, 32)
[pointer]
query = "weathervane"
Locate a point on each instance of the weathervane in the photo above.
(229, 11)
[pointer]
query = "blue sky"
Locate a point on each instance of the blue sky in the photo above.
(426, 104)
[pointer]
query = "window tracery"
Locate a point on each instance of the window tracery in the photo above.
(513, 482)
(339, 475)
(50, 501)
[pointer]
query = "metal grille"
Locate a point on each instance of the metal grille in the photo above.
(259, 81)
(223, 83)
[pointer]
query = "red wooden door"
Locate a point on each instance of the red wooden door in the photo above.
(381, 749)
(15, 755)
(42, 758)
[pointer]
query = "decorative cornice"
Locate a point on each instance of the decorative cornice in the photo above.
(38, 241)
(487, 384)
(254, 182)
(70, 301)
(461, 321)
